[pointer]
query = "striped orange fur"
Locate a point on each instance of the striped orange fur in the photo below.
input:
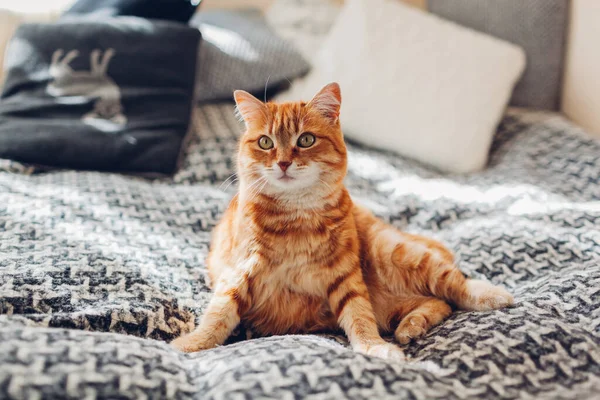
(294, 254)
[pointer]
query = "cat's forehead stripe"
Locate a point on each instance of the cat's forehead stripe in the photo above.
(286, 122)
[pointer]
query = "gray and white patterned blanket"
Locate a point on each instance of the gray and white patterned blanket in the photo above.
(99, 271)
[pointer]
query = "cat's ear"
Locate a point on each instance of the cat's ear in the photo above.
(250, 109)
(328, 101)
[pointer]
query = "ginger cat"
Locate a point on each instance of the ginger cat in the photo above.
(294, 254)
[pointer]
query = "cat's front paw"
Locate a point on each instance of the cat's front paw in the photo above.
(410, 328)
(384, 350)
(192, 343)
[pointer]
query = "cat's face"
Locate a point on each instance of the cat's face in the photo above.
(292, 147)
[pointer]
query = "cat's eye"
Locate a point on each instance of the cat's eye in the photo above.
(265, 143)
(306, 140)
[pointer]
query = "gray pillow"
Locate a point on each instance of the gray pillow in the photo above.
(240, 51)
(539, 26)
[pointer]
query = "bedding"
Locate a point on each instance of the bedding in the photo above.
(99, 271)
(77, 95)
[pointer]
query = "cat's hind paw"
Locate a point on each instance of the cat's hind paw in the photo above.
(191, 343)
(383, 350)
(483, 296)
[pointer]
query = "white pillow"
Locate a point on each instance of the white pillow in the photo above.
(414, 83)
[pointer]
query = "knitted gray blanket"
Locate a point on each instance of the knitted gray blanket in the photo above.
(99, 271)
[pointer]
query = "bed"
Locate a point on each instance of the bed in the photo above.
(99, 271)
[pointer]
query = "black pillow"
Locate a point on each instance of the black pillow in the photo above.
(172, 10)
(112, 95)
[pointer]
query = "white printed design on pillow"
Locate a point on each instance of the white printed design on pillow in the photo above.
(94, 83)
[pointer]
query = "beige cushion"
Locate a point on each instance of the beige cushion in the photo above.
(414, 83)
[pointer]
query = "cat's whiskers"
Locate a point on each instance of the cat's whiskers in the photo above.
(257, 190)
(266, 85)
(255, 182)
(253, 188)
(262, 187)
(233, 177)
(230, 183)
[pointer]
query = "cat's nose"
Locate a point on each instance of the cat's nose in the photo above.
(284, 165)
